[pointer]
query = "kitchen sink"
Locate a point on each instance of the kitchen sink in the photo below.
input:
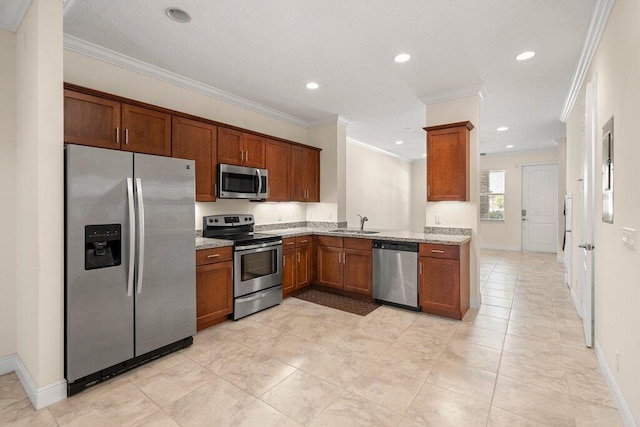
(344, 230)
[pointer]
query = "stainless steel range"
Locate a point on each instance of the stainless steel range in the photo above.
(257, 262)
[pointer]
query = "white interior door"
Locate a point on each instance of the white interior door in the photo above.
(568, 233)
(540, 208)
(588, 208)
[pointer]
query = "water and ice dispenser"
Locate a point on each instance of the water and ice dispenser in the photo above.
(102, 246)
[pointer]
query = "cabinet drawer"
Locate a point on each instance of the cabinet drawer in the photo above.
(210, 256)
(358, 244)
(440, 251)
(303, 241)
(334, 242)
(288, 243)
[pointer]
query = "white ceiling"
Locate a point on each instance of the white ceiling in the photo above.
(266, 51)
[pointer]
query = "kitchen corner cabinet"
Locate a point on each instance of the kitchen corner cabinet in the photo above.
(214, 286)
(448, 162)
(345, 263)
(305, 174)
(296, 263)
(105, 123)
(278, 164)
(241, 149)
(444, 279)
(196, 141)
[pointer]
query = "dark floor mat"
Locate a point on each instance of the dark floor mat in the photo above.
(350, 305)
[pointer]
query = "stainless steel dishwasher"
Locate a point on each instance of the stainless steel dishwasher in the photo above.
(395, 273)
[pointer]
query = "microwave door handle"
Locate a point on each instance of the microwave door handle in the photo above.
(259, 182)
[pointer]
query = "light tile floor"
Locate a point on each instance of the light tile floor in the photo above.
(518, 360)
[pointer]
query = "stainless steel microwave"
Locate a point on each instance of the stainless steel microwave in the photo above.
(239, 182)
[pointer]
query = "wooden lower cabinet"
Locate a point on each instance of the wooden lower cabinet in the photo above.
(296, 263)
(345, 263)
(214, 286)
(444, 280)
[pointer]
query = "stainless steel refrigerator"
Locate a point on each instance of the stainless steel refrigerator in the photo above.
(129, 260)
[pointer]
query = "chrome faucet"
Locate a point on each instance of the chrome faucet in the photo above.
(362, 220)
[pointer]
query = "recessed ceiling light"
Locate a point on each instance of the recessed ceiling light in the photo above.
(526, 55)
(509, 146)
(502, 129)
(402, 57)
(178, 15)
(399, 142)
(312, 85)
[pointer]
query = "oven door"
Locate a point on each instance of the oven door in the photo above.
(257, 267)
(238, 182)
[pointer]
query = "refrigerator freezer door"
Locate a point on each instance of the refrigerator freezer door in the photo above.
(99, 314)
(166, 297)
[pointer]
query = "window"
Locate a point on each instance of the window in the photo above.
(492, 195)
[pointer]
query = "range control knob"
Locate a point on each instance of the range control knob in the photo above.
(215, 220)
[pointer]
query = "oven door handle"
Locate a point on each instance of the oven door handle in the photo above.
(260, 247)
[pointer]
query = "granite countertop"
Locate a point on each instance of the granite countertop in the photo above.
(395, 235)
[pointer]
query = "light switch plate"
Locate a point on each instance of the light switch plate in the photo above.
(629, 237)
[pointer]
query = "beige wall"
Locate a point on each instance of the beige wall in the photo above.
(460, 214)
(39, 135)
(617, 268)
(418, 195)
(378, 187)
(8, 192)
(507, 234)
(331, 171)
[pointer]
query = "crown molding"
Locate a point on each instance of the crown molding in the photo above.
(12, 13)
(376, 149)
(330, 120)
(450, 95)
(92, 50)
(599, 18)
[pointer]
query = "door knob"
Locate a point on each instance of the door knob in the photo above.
(587, 246)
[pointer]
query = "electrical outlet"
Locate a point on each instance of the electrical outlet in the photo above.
(438, 219)
(629, 237)
(617, 361)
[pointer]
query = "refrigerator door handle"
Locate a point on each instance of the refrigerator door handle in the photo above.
(132, 236)
(141, 235)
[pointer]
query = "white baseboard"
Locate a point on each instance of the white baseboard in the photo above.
(39, 396)
(623, 409)
(560, 258)
(475, 302)
(7, 364)
(576, 302)
(500, 247)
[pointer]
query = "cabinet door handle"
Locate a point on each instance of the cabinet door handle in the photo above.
(344, 257)
(298, 256)
(436, 251)
(126, 136)
(213, 256)
(246, 156)
(118, 135)
(289, 243)
(421, 268)
(284, 261)
(303, 241)
(428, 190)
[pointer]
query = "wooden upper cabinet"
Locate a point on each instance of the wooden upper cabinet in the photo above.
(196, 141)
(229, 146)
(146, 131)
(278, 163)
(90, 120)
(305, 174)
(254, 151)
(448, 162)
(241, 149)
